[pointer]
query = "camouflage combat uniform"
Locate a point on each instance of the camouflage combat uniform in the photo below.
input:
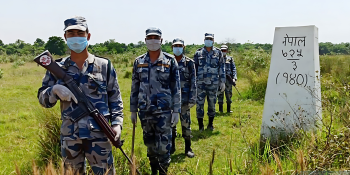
(84, 138)
(210, 71)
(188, 94)
(230, 67)
(155, 91)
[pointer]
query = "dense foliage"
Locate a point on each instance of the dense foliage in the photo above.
(57, 46)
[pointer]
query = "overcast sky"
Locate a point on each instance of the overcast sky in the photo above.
(126, 20)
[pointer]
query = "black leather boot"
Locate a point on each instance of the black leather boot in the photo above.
(229, 108)
(188, 151)
(154, 166)
(210, 125)
(221, 108)
(173, 149)
(200, 124)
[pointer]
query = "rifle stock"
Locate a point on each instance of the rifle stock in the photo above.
(45, 60)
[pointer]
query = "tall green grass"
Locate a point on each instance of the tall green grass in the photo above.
(241, 153)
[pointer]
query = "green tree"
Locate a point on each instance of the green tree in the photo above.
(1, 43)
(56, 45)
(39, 42)
(20, 44)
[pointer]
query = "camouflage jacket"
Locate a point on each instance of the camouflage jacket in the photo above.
(92, 79)
(155, 86)
(187, 72)
(210, 66)
(230, 67)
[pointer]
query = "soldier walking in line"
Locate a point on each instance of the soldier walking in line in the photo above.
(98, 80)
(155, 95)
(210, 72)
(188, 94)
(230, 69)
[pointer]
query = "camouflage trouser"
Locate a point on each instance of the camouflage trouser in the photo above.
(185, 118)
(97, 151)
(157, 136)
(208, 91)
(228, 94)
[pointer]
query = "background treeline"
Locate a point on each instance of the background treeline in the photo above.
(57, 46)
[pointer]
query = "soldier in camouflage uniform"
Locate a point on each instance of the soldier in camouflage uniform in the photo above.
(230, 67)
(210, 71)
(155, 95)
(188, 94)
(84, 138)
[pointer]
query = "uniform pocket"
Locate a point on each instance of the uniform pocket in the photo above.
(163, 76)
(214, 62)
(143, 74)
(186, 76)
(201, 61)
(97, 84)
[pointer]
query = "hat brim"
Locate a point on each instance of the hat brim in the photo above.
(77, 27)
(209, 37)
(153, 34)
(178, 42)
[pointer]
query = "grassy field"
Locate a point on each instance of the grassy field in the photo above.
(235, 139)
(19, 126)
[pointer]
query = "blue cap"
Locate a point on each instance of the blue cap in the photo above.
(153, 31)
(178, 41)
(77, 22)
(209, 35)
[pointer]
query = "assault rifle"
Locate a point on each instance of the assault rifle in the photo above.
(85, 107)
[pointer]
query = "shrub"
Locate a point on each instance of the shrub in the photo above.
(1, 73)
(255, 59)
(49, 137)
(127, 75)
(258, 84)
(18, 63)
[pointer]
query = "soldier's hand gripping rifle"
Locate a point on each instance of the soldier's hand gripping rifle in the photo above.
(229, 78)
(84, 104)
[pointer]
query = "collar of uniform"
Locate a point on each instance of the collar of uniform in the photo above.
(90, 58)
(205, 49)
(183, 59)
(160, 58)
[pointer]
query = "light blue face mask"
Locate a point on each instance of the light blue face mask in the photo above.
(178, 50)
(77, 44)
(208, 43)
